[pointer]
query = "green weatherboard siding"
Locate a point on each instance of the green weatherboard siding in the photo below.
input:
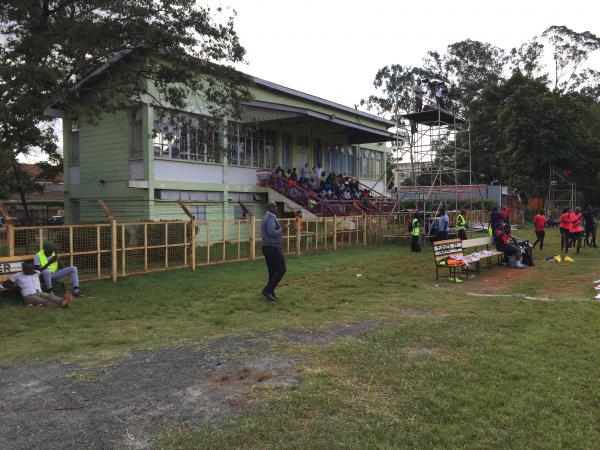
(105, 154)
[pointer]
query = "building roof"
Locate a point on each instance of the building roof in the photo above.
(312, 98)
(269, 85)
(35, 172)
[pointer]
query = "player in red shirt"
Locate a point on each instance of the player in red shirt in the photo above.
(565, 225)
(539, 225)
(576, 230)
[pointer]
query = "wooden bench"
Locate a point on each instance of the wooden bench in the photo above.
(454, 248)
(486, 242)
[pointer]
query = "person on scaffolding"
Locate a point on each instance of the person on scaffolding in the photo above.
(419, 91)
(439, 96)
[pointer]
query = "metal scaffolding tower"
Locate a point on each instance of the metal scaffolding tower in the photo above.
(562, 193)
(437, 145)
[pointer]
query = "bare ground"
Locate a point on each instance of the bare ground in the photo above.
(127, 404)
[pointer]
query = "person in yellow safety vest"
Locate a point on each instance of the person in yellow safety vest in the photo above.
(461, 225)
(415, 232)
(46, 261)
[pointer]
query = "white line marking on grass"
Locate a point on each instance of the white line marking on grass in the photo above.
(523, 296)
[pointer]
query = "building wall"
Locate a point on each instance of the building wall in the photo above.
(103, 170)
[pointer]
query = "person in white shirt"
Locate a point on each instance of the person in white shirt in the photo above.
(419, 91)
(439, 96)
(318, 173)
(28, 281)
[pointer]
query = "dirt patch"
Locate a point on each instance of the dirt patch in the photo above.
(126, 405)
(499, 279)
(43, 407)
(332, 333)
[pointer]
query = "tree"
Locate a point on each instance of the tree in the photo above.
(522, 127)
(47, 46)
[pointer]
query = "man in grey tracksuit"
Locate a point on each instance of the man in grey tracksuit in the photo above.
(272, 250)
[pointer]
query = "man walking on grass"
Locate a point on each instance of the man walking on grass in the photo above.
(272, 245)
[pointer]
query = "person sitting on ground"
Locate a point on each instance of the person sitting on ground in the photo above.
(28, 282)
(507, 244)
(539, 225)
(46, 261)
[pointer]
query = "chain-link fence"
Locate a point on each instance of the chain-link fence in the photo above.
(112, 250)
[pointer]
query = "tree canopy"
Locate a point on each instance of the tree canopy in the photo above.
(524, 115)
(47, 46)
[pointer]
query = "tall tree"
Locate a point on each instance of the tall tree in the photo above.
(48, 45)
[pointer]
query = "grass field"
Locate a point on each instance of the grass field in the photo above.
(445, 369)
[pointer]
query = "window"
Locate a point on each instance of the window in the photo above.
(75, 212)
(190, 196)
(286, 150)
(199, 212)
(317, 152)
(239, 213)
(371, 163)
(340, 160)
(74, 154)
(186, 136)
(250, 147)
(137, 127)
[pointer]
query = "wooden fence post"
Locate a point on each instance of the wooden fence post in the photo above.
(325, 233)
(10, 229)
(193, 242)
(253, 237)
(113, 249)
(192, 236)
(113, 240)
(364, 229)
(334, 232)
(298, 225)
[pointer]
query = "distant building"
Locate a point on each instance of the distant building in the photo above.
(42, 205)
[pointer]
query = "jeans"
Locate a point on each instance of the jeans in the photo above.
(275, 265)
(60, 273)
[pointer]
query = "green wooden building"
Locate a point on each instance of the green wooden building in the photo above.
(140, 161)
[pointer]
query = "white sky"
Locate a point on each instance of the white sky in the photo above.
(333, 48)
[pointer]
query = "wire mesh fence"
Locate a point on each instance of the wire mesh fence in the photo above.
(112, 250)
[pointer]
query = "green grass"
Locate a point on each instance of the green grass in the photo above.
(474, 372)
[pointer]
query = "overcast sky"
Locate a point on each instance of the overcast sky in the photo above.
(333, 48)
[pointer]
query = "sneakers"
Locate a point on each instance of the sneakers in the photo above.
(455, 280)
(77, 292)
(268, 295)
